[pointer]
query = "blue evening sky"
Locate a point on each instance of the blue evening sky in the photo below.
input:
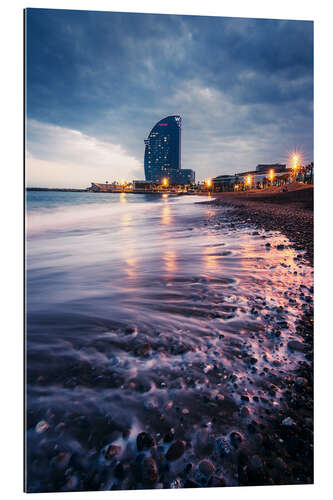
(97, 82)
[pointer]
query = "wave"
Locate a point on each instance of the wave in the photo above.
(81, 217)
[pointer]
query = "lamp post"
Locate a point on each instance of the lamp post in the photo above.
(165, 182)
(271, 176)
(209, 183)
(249, 181)
(295, 165)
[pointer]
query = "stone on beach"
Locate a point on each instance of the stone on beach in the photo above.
(111, 451)
(206, 468)
(175, 451)
(149, 471)
(295, 345)
(144, 441)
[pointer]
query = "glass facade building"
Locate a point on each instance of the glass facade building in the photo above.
(163, 153)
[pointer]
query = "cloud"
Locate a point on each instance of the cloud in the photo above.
(63, 157)
(244, 87)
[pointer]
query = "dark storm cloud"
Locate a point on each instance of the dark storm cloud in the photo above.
(242, 85)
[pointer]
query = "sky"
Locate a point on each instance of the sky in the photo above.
(97, 82)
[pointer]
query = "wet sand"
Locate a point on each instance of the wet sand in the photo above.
(289, 212)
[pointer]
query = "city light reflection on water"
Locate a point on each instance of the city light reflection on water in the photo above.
(137, 308)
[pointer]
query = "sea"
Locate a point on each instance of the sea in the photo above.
(152, 313)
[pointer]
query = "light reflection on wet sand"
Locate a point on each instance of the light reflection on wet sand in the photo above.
(178, 304)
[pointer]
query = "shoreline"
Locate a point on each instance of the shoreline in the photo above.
(290, 212)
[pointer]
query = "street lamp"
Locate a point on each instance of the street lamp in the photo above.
(295, 160)
(209, 183)
(249, 180)
(271, 175)
(165, 182)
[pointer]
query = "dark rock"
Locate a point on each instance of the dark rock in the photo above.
(235, 439)
(295, 345)
(149, 471)
(144, 441)
(111, 451)
(129, 331)
(206, 468)
(169, 436)
(143, 350)
(244, 412)
(301, 381)
(175, 451)
(188, 468)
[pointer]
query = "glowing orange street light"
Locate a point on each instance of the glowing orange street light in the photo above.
(271, 175)
(209, 183)
(165, 181)
(122, 182)
(248, 180)
(295, 161)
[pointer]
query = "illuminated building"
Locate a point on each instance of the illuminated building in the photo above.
(163, 153)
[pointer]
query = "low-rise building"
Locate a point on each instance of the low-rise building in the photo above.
(143, 185)
(266, 167)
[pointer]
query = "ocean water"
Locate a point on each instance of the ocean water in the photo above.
(154, 314)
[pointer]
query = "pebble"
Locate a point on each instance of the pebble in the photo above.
(176, 483)
(295, 345)
(169, 436)
(244, 412)
(143, 350)
(288, 422)
(175, 451)
(301, 381)
(206, 468)
(149, 471)
(42, 426)
(111, 451)
(144, 441)
(235, 439)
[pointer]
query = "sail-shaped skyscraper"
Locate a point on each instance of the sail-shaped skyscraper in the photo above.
(163, 153)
